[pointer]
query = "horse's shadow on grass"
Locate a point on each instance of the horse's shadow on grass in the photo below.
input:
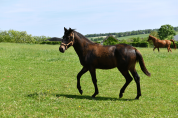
(90, 98)
(99, 98)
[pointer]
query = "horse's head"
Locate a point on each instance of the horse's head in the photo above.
(150, 38)
(68, 40)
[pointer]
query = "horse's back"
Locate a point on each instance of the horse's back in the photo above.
(107, 57)
(124, 49)
(162, 43)
(119, 50)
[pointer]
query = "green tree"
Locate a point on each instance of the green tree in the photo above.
(110, 41)
(155, 34)
(123, 41)
(166, 31)
(136, 39)
(16, 37)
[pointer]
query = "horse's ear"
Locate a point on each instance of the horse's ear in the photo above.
(65, 29)
(70, 30)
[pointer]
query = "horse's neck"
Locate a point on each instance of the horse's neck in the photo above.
(80, 46)
(155, 40)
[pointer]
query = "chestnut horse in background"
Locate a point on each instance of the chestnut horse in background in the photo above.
(161, 43)
(94, 56)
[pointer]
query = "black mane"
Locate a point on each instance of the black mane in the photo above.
(81, 36)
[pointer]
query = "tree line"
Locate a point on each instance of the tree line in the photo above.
(129, 33)
(164, 32)
(20, 37)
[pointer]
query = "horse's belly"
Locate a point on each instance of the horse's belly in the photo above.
(106, 63)
(162, 44)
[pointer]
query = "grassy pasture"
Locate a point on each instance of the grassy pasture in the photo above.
(39, 81)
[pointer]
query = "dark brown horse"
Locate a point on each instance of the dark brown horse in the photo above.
(161, 43)
(95, 56)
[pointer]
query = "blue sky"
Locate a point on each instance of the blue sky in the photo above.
(49, 17)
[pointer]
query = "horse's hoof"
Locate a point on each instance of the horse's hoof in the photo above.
(120, 95)
(137, 98)
(81, 92)
(93, 96)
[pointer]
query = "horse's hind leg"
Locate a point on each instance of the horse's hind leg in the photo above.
(94, 80)
(168, 48)
(128, 80)
(137, 80)
(84, 70)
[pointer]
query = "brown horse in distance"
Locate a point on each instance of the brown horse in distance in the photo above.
(161, 43)
(94, 56)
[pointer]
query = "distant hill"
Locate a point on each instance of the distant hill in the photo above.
(123, 34)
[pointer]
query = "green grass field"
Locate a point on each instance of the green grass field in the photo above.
(39, 81)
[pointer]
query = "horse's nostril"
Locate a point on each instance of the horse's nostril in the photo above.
(61, 50)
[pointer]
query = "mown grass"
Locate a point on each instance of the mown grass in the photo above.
(39, 81)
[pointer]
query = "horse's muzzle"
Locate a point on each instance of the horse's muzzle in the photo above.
(61, 49)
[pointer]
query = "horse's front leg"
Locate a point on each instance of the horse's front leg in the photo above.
(154, 49)
(93, 75)
(84, 70)
(158, 49)
(168, 49)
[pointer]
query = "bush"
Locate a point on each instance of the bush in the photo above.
(139, 44)
(143, 44)
(20, 37)
(50, 42)
(110, 41)
(123, 41)
(136, 39)
(96, 41)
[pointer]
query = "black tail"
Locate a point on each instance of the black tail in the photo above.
(141, 62)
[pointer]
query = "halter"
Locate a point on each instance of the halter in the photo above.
(71, 42)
